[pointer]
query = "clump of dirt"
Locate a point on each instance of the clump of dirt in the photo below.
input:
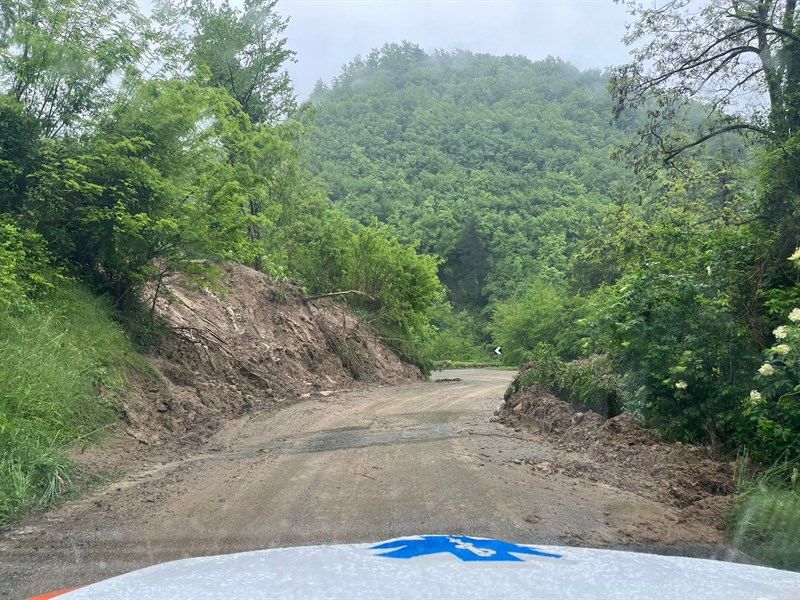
(621, 453)
(254, 345)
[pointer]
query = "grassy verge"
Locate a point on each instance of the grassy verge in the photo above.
(58, 361)
(766, 521)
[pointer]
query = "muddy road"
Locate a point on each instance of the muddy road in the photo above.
(353, 467)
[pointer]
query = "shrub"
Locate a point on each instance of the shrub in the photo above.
(674, 335)
(773, 408)
(24, 266)
(587, 385)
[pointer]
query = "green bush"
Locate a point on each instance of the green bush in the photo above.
(674, 335)
(587, 385)
(55, 363)
(24, 266)
(773, 408)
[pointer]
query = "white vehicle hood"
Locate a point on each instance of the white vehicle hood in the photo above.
(446, 566)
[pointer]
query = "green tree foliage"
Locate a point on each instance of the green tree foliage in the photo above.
(174, 169)
(454, 336)
(401, 283)
(674, 306)
(465, 275)
(146, 189)
(59, 57)
(542, 314)
(499, 165)
(20, 145)
(24, 267)
(399, 286)
(721, 52)
(243, 51)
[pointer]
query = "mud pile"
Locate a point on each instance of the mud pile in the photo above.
(251, 346)
(620, 453)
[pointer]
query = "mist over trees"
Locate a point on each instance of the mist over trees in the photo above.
(498, 165)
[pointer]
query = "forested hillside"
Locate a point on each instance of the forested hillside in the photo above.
(498, 165)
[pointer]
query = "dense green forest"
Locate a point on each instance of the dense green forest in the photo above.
(498, 165)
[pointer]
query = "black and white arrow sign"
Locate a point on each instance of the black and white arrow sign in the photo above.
(498, 350)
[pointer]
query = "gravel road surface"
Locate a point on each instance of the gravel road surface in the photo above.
(353, 467)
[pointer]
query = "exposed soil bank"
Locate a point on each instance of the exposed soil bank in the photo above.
(251, 344)
(620, 453)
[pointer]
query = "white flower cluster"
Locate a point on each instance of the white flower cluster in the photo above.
(681, 385)
(794, 316)
(780, 332)
(795, 256)
(755, 398)
(766, 369)
(782, 349)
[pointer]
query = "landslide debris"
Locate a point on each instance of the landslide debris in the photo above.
(620, 453)
(253, 344)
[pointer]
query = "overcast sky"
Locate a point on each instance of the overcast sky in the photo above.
(326, 34)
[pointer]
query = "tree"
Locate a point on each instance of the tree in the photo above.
(242, 51)
(723, 67)
(245, 54)
(465, 273)
(59, 58)
(146, 192)
(19, 152)
(401, 284)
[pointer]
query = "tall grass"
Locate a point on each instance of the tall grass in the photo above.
(766, 521)
(57, 364)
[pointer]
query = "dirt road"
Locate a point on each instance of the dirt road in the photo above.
(354, 467)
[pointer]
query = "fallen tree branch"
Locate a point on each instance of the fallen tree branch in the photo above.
(334, 294)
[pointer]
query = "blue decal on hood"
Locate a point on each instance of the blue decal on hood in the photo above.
(466, 548)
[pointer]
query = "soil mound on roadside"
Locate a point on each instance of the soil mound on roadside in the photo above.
(254, 345)
(620, 453)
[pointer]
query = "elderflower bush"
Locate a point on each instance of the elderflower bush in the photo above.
(774, 405)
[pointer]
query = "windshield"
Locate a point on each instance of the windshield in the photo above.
(294, 273)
